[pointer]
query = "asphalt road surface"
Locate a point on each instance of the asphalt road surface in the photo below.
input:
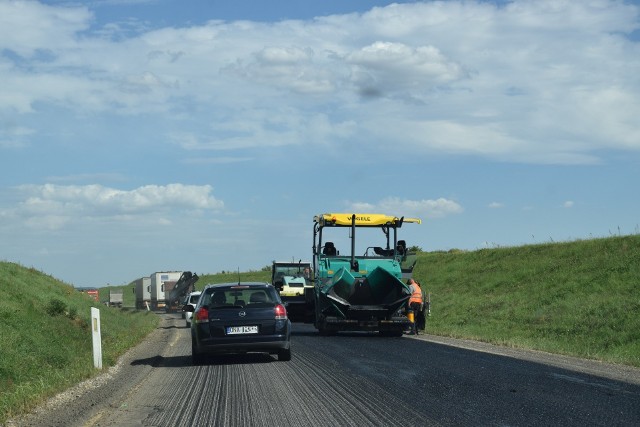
(354, 379)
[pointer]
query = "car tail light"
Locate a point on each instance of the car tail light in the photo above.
(281, 312)
(202, 315)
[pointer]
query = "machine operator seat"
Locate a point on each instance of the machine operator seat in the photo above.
(402, 247)
(329, 249)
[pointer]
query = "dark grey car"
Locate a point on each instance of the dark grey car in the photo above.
(239, 318)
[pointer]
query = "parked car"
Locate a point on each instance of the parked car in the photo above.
(239, 318)
(192, 300)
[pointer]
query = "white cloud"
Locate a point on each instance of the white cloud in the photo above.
(496, 205)
(535, 82)
(568, 204)
(53, 206)
(287, 67)
(425, 209)
(275, 127)
(28, 27)
(386, 67)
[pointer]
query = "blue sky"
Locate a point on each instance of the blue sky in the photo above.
(151, 135)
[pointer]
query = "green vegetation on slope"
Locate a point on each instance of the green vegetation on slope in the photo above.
(45, 337)
(251, 276)
(579, 298)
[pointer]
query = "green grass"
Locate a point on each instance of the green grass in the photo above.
(45, 337)
(251, 276)
(578, 298)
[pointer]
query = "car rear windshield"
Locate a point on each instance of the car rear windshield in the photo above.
(242, 297)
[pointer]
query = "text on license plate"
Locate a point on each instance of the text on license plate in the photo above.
(231, 330)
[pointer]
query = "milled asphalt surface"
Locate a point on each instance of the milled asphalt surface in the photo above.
(351, 379)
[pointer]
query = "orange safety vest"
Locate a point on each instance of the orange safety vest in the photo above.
(416, 294)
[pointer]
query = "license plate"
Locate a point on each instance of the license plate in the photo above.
(235, 330)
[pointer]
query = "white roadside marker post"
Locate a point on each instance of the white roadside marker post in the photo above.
(97, 340)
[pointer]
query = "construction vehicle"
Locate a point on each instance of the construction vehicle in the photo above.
(292, 279)
(175, 294)
(361, 292)
(161, 282)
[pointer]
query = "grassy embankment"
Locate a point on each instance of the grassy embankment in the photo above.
(45, 337)
(578, 298)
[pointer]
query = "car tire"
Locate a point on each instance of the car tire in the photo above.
(196, 358)
(284, 355)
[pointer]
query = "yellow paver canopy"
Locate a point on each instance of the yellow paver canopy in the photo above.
(362, 220)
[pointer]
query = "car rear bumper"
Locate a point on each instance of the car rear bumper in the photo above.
(223, 346)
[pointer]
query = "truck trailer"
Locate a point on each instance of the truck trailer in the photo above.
(116, 297)
(142, 289)
(159, 283)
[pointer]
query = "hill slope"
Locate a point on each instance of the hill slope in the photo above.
(45, 336)
(580, 298)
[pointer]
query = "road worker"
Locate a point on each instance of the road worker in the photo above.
(421, 319)
(416, 303)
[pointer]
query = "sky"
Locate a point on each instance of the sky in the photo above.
(156, 135)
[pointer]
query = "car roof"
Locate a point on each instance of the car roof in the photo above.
(259, 285)
(195, 293)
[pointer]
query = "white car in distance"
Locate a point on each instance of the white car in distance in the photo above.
(192, 300)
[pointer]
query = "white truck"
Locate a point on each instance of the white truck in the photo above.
(115, 297)
(160, 282)
(142, 289)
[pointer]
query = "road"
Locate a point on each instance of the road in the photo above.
(348, 380)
